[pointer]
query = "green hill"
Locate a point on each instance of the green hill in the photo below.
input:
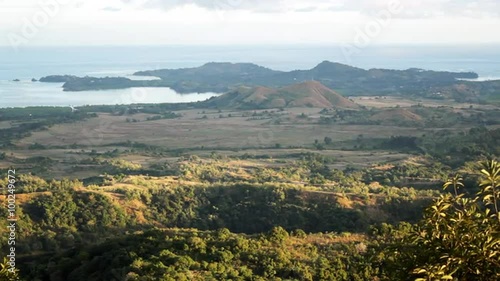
(347, 80)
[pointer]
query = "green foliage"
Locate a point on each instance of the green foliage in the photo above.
(124, 165)
(458, 239)
(217, 255)
(428, 173)
(455, 149)
(6, 274)
(64, 217)
(490, 186)
(261, 207)
(166, 115)
(29, 183)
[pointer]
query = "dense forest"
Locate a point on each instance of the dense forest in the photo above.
(205, 226)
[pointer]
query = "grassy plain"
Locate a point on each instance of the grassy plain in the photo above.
(271, 138)
(391, 101)
(194, 131)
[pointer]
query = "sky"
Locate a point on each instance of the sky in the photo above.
(239, 22)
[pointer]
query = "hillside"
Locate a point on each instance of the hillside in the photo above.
(185, 228)
(397, 114)
(306, 94)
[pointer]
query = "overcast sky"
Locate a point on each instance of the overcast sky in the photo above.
(155, 22)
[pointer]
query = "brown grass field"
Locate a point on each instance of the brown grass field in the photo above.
(388, 101)
(190, 131)
(200, 132)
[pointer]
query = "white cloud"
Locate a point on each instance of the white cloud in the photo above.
(414, 8)
(96, 22)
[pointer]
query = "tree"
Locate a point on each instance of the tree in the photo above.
(491, 186)
(328, 140)
(6, 273)
(455, 182)
(458, 239)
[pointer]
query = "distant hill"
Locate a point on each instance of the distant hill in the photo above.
(231, 71)
(212, 77)
(347, 80)
(306, 94)
(344, 79)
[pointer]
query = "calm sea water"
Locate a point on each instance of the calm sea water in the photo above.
(123, 61)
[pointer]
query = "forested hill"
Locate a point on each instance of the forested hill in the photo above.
(117, 231)
(333, 75)
(347, 80)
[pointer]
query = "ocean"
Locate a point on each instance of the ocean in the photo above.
(36, 62)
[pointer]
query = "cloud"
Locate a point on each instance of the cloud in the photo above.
(111, 9)
(412, 8)
(250, 5)
(306, 9)
(208, 4)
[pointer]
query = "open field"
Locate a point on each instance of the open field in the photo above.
(87, 147)
(392, 101)
(190, 131)
(5, 124)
